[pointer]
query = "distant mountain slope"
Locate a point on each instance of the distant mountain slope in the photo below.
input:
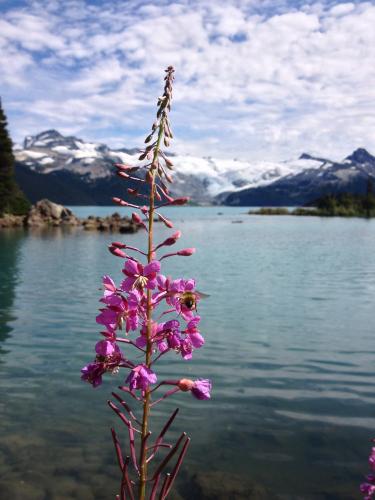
(351, 175)
(69, 170)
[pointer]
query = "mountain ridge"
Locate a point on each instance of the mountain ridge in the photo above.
(330, 177)
(69, 170)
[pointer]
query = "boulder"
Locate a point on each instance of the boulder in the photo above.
(113, 222)
(128, 227)
(45, 212)
(9, 220)
(89, 225)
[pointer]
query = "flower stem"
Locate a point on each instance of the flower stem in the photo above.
(147, 396)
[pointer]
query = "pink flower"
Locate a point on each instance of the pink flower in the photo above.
(165, 335)
(173, 292)
(108, 359)
(141, 377)
(368, 488)
(371, 459)
(169, 335)
(105, 348)
(139, 276)
(178, 288)
(200, 389)
(186, 348)
(192, 331)
(111, 297)
(92, 373)
(141, 341)
(124, 313)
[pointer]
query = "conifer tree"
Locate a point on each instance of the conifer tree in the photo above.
(12, 200)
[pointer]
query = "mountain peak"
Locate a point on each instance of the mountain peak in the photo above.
(42, 139)
(305, 156)
(361, 155)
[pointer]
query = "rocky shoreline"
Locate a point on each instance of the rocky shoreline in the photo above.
(45, 214)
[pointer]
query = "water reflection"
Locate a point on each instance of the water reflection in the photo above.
(10, 242)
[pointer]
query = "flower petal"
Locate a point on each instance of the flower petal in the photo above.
(105, 348)
(152, 267)
(131, 267)
(196, 339)
(109, 284)
(127, 284)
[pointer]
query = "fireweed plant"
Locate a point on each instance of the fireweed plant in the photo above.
(141, 303)
(368, 488)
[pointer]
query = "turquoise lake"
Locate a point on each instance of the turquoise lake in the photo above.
(289, 328)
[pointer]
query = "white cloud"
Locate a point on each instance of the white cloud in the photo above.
(264, 80)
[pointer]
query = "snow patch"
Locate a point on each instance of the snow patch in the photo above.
(63, 150)
(124, 157)
(85, 150)
(45, 161)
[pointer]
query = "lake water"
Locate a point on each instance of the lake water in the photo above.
(289, 328)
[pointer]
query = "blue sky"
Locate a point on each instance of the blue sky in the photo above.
(254, 79)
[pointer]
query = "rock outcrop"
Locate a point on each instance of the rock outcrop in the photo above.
(9, 220)
(45, 213)
(113, 222)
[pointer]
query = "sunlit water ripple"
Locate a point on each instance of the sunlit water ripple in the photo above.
(289, 346)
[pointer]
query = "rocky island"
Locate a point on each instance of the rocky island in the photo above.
(46, 214)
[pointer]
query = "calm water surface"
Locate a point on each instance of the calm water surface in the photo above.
(289, 330)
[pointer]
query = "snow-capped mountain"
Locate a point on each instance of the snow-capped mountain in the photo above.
(327, 177)
(50, 151)
(58, 157)
(71, 171)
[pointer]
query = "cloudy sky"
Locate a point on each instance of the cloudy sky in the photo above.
(254, 79)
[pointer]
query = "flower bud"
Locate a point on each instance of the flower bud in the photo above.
(171, 240)
(122, 174)
(180, 201)
(136, 218)
(119, 201)
(167, 222)
(132, 192)
(164, 186)
(120, 166)
(185, 384)
(186, 252)
(168, 198)
(168, 162)
(117, 252)
(118, 244)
